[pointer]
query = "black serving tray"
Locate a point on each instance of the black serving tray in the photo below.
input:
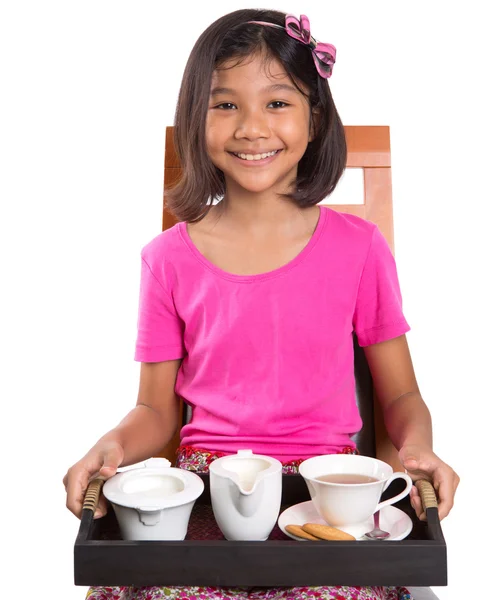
(205, 558)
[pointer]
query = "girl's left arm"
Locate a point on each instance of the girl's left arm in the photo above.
(408, 421)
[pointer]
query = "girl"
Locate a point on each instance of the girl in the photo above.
(249, 305)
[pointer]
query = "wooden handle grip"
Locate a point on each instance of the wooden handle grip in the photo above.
(427, 494)
(91, 498)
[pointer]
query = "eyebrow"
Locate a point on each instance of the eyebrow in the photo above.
(276, 87)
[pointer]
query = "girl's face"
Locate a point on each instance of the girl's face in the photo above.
(254, 109)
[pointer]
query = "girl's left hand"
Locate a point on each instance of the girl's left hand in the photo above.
(422, 463)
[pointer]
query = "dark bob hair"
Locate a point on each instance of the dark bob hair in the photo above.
(231, 37)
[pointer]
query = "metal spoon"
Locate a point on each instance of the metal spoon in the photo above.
(377, 533)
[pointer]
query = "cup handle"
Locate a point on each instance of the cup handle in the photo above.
(405, 492)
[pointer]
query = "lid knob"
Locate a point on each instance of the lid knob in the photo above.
(245, 453)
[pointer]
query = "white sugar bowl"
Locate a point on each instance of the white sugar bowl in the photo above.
(153, 501)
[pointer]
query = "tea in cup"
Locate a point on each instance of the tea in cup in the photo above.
(346, 489)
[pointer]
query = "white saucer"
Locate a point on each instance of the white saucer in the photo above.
(392, 519)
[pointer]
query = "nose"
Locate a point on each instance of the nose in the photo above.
(252, 124)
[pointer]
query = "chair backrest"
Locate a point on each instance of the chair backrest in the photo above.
(368, 149)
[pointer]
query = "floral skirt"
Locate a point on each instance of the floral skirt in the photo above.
(197, 460)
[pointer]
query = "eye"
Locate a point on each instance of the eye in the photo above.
(277, 102)
(225, 106)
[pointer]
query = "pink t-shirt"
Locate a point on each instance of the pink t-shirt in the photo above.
(268, 359)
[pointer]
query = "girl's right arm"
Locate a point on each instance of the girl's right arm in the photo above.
(143, 433)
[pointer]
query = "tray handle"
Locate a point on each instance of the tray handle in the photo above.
(91, 498)
(427, 494)
(429, 504)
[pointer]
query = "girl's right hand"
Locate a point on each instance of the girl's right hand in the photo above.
(100, 462)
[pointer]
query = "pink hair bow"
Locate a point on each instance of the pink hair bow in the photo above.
(324, 55)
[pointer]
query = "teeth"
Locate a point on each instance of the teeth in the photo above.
(255, 156)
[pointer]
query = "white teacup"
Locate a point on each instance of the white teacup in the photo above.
(342, 504)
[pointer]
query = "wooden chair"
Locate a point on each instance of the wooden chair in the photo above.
(368, 149)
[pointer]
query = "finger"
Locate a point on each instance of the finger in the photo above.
(111, 461)
(102, 507)
(422, 468)
(409, 457)
(444, 484)
(418, 469)
(416, 503)
(410, 463)
(414, 459)
(76, 486)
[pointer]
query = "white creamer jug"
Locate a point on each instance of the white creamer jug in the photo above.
(246, 491)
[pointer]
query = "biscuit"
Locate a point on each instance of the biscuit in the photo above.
(325, 532)
(298, 531)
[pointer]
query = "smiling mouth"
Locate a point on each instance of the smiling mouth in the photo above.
(253, 157)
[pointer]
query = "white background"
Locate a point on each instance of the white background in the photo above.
(87, 89)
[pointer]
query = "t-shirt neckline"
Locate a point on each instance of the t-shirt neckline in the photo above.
(185, 236)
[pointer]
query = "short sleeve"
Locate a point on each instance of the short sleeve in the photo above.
(378, 314)
(160, 330)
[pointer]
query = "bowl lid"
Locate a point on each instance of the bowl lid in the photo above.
(153, 485)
